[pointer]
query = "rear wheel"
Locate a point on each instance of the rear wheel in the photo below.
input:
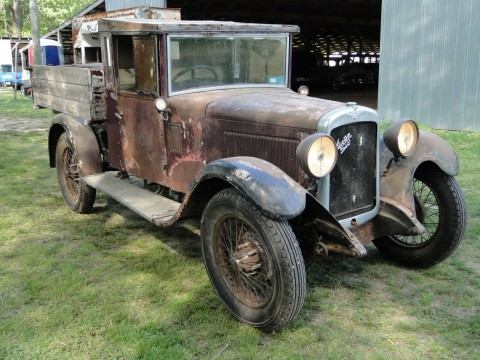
(440, 207)
(254, 262)
(79, 196)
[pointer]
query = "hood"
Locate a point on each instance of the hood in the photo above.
(272, 106)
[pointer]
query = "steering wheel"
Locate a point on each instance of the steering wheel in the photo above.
(196, 67)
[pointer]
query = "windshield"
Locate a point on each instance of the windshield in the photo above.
(212, 62)
(5, 68)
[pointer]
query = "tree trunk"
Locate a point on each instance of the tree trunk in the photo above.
(17, 17)
(35, 20)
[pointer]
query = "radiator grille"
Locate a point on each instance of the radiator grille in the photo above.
(277, 150)
(353, 181)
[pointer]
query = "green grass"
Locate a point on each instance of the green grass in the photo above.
(111, 286)
(22, 107)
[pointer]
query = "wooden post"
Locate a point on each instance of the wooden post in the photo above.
(35, 20)
(16, 70)
(60, 40)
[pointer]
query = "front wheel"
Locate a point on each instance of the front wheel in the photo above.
(440, 207)
(79, 196)
(254, 262)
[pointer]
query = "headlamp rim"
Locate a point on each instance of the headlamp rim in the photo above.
(391, 136)
(303, 151)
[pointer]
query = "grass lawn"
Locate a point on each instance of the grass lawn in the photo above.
(21, 107)
(111, 286)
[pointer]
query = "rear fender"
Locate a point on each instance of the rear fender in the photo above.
(397, 175)
(83, 139)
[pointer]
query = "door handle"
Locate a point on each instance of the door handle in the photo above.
(119, 115)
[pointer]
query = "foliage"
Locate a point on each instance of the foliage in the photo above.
(52, 14)
(110, 285)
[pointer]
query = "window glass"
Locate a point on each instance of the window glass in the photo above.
(202, 62)
(6, 68)
(137, 64)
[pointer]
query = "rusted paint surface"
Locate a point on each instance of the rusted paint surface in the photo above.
(209, 124)
(142, 137)
(397, 176)
(83, 139)
(114, 134)
(281, 107)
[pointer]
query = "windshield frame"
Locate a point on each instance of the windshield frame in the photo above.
(232, 86)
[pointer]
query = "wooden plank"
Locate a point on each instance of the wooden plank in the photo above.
(70, 107)
(67, 91)
(64, 74)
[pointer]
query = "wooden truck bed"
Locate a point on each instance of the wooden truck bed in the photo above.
(73, 90)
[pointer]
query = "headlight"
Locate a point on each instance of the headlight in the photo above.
(317, 155)
(402, 137)
(304, 90)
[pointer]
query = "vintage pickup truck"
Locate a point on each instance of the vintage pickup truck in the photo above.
(195, 119)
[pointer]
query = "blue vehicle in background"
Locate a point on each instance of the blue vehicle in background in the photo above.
(8, 76)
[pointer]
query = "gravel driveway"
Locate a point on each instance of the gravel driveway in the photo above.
(23, 124)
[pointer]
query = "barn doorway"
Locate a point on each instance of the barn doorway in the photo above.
(337, 53)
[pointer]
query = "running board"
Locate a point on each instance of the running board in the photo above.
(155, 208)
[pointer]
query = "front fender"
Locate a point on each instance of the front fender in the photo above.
(397, 175)
(273, 191)
(263, 183)
(83, 139)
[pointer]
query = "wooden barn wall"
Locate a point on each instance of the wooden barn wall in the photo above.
(430, 62)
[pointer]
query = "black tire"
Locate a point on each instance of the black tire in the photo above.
(441, 241)
(77, 195)
(274, 258)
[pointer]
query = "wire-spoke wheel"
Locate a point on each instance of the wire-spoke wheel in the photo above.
(440, 207)
(254, 262)
(428, 213)
(243, 262)
(78, 196)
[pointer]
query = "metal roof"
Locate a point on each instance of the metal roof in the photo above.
(154, 25)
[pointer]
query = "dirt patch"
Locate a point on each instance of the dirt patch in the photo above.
(23, 124)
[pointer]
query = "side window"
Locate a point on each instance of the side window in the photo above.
(136, 64)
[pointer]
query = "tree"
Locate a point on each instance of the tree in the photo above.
(15, 19)
(16, 10)
(12, 16)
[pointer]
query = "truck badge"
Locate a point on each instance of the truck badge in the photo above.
(343, 145)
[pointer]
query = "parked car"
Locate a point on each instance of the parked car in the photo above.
(8, 76)
(202, 114)
(333, 74)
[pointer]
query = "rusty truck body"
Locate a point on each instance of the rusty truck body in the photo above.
(202, 113)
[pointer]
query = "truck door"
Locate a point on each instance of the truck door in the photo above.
(140, 134)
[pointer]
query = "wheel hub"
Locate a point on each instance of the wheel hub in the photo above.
(246, 258)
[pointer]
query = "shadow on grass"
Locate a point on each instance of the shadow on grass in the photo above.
(170, 320)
